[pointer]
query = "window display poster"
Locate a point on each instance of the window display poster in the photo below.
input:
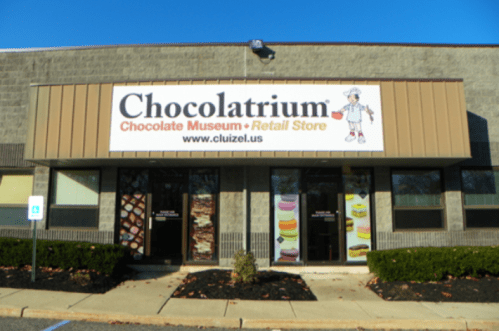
(133, 191)
(203, 190)
(287, 211)
(357, 216)
(202, 245)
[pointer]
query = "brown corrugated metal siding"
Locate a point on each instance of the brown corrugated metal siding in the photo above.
(421, 119)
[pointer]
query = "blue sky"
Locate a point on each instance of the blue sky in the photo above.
(79, 23)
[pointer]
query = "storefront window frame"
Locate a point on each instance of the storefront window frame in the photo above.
(341, 206)
(52, 206)
(17, 171)
(475, 207)
(441, 207)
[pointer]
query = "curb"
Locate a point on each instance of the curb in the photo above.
(233, 323)
(483, 325)
(237, 323)
(11, 312)
(352, 324)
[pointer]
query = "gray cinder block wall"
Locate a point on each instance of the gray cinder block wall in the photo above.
(231, 214)
(478, 66)
(259, 196)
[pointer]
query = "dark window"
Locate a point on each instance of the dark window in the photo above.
(481, 197)
(74, 199)
(417, 199)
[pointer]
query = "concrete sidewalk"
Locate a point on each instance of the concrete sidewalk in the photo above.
(343, 302)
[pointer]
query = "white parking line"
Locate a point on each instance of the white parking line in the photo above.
(53, 327)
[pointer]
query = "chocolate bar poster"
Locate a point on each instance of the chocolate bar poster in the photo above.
(202, 232)
(133, 188)
(357, 216)
(276, 117)
(287, 211)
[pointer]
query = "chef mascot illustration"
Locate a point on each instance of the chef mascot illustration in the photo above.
(354, 118)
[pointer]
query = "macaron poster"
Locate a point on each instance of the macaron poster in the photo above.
(286, 227)
(358, 225)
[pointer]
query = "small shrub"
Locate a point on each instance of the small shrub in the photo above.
(245, 268)
(81, 278)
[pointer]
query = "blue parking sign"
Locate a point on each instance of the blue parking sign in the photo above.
(35, 208)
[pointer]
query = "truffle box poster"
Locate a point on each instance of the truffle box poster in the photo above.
(202, 233)
(286, 227)
(358, 225)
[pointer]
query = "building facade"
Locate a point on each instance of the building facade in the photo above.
(313, 156)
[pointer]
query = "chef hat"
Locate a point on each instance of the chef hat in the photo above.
(353, 90)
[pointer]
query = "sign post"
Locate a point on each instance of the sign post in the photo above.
(35, 214)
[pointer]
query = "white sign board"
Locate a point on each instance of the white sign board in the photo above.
(35, 208)
(246, 118)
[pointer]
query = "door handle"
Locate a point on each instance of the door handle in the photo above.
(150, 223)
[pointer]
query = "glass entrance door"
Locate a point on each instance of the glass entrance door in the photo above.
(322, 212)
(169, 190)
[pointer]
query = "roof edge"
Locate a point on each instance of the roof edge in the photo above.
(59, 48)
(274, 79)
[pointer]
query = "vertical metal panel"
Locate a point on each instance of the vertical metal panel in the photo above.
(92, 121)
(67, 108)
(30, 138)
(403, 126)
(114, 155)
(442, 118)
(464, 121)
(416, 119)
(429, 120)
(455, 121)
(104, 123)
(79, 117)
(389, 119)
(54, 123)
(373, 154)
(42, 115)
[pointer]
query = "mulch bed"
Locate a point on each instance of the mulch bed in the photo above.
(55, 279)
(463, 289)
(270, 285)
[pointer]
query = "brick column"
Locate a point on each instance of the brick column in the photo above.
(259, 188)
(107, 199)
(383, 205)
(41, 182)
(453, 199)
